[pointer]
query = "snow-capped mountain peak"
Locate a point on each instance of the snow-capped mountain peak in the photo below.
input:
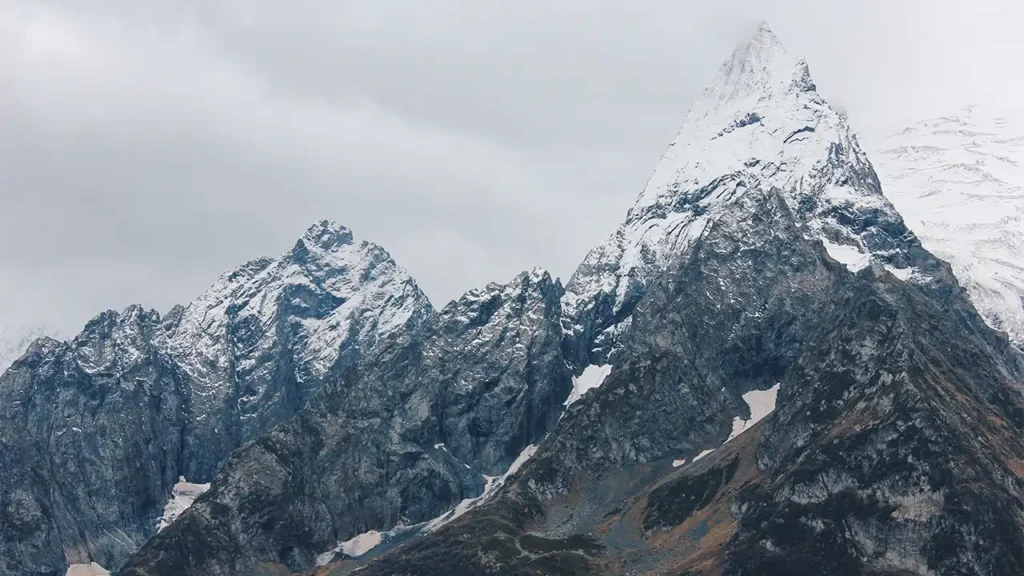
(760, 69)
(760, 125)
(325, 281)
(328, 234)
(324, 295)
(741, 116)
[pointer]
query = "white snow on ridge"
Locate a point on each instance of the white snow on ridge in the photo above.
(355, 547)
(958, 182)
(328, 265)
(592, 377)
(183, 495)
(329, 292)
(703, 454)
(15, 340)
(363, 543)
(761, 404)
(848, 256)
(760, 125)
(492, 484)
(91, 569)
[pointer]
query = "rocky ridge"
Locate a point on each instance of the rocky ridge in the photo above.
(425, 426)
(760, 125)
(896, 441)
(96, 431)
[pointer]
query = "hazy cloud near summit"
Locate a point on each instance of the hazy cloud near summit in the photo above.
(147, 147)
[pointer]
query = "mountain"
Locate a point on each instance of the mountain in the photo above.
(761, 371)
(760, 125)
(427, 425)
(959, 182)
(762, 262)
(96, 432)
(266, 336)
(15, 340)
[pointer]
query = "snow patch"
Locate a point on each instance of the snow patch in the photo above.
(353, 548)
(703, 454)
(761, 404)
(183, 495)
(363, 543)
(491, 485)
(906, 274)
(91, 569)
(592, 377)
(848, 256)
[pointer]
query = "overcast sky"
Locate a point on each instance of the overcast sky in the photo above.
(148, 146)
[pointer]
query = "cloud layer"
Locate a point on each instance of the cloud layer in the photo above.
(146, 147)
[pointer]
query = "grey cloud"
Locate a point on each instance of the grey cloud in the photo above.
(146, 147)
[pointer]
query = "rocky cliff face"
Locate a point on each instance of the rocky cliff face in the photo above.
(404, 437)
(263, 340)
(870, 462)
(93, 433)
(761, 125)
(96, 432)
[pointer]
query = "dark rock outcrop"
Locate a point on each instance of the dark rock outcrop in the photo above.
(407, 435)
(94, 433)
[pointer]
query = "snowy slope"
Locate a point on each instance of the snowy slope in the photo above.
(329, 278)
(958, 181)
(277, 320)
(14, 340)
(760, 125)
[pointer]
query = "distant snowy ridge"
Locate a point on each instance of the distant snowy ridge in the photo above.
(958, 181)
(15, 340)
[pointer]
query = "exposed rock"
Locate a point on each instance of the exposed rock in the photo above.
(408, 434)
(896, 444)
(96, 432)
